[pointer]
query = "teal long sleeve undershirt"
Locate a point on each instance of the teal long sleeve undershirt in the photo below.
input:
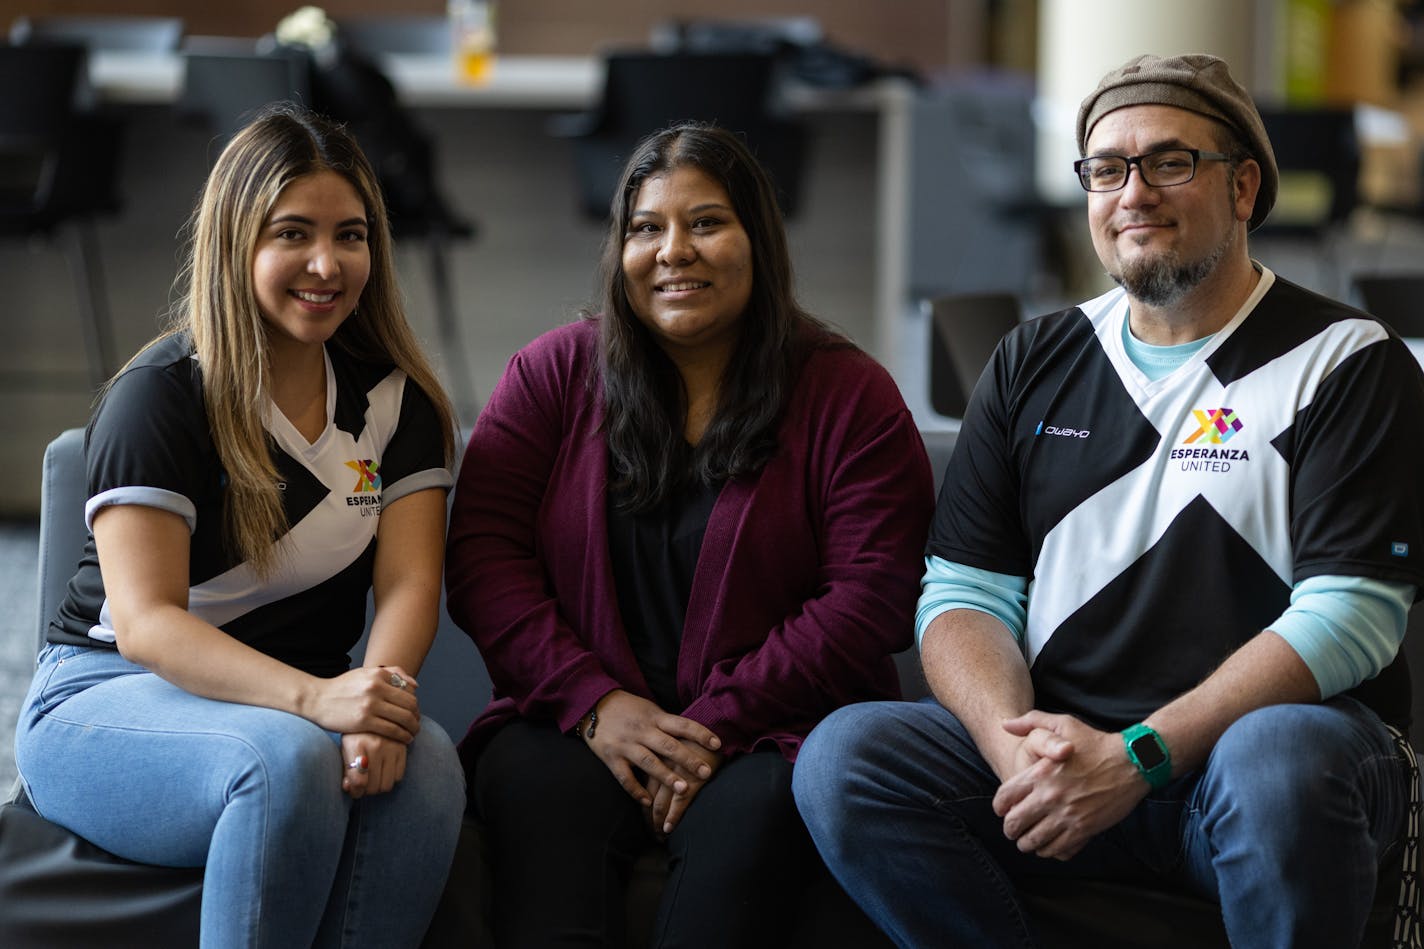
(1345, 629)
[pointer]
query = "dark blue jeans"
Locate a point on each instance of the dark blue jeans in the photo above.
(1285, 826)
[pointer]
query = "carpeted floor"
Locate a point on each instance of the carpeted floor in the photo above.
(19, 550)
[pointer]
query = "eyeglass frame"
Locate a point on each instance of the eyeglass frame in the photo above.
(1198, 155)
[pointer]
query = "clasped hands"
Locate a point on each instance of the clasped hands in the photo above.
(376, 720)
(660, 759)
(1065, 783)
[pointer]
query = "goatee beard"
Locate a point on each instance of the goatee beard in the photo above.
(1163, 280)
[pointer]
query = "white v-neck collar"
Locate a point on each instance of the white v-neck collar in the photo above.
(1112, 313)
(286, 433)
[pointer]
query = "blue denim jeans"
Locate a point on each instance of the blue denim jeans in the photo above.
(1285, 826)
(155, 774)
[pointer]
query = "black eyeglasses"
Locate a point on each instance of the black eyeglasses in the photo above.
(1160, 169)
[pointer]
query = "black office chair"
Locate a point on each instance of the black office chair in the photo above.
(376, 35)
(154, 34)
(1318, 153)
(1398, 299)
(59, 166)
(964, 331)
(644, 92)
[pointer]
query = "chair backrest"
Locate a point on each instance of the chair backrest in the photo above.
(965, 330)
(1398, 299)
(1318, 153)
(398, 33)
(226, 89)
(57, 159)
(764, 33)
(646, 91)
(62, 530)
(157, 34)
(39, 86)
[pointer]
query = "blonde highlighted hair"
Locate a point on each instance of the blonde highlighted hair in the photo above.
(215, 303)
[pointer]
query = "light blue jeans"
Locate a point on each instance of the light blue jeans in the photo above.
(1285, 826)
(155, 774)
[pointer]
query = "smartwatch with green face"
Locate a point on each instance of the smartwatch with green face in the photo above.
(1149, 754)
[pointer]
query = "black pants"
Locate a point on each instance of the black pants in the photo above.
(562, 837)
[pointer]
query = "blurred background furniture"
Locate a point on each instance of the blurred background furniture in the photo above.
(646, 91)
(375, 35)
(59, 170)
(964, 331)
(155, 34)
(1398, 299)
(224, 89)
(1318, 153)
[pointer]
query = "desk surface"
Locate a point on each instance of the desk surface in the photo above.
(517, 81)
(527, 82)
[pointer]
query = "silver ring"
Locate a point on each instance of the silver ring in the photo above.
(358, 764)
(395, 679)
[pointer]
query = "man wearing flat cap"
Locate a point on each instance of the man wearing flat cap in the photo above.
(1167, 579)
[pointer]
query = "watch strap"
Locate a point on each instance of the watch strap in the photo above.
(1159, 774)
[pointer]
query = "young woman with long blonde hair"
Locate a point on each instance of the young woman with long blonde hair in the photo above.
(253, 473)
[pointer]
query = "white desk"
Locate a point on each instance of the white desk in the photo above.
(540, 82)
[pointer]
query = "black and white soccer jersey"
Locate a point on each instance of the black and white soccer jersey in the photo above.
(1162, 523)
(149, 443)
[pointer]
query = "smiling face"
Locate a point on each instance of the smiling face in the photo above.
(1161, 243)
(312, 260)
(687, 262)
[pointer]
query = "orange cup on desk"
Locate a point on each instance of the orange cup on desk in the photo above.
(473, 34)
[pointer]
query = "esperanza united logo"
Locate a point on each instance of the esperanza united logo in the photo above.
(1214, 427)
(367, 493)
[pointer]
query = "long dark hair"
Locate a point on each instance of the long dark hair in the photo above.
(645, 401)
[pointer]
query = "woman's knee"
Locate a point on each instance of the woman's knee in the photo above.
(433, 771)
(532, 769)
(746, 812)
(281, 756)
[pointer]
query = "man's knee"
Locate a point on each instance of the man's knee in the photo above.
(1290, 761)
(846, 741)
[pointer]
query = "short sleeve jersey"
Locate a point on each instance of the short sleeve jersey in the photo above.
(149, 444)
(1163, 523)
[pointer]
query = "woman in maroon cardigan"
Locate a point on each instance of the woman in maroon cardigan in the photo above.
(684, 532)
